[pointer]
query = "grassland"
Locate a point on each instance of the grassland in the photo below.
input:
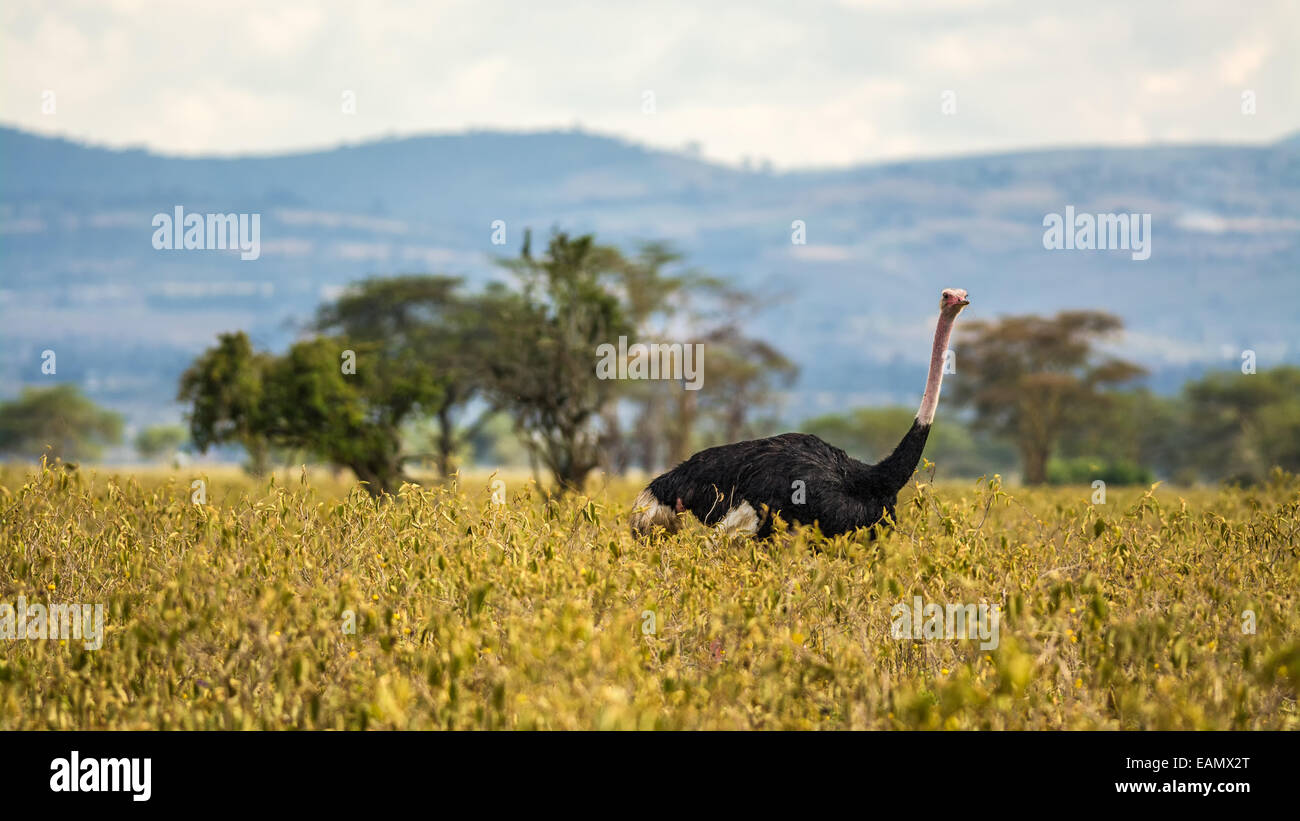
(232, 614)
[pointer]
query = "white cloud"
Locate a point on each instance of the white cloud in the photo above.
(803, 85)
(1240, 64)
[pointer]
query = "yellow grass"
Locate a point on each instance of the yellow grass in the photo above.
(469, 614)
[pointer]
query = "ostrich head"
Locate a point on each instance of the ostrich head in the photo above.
(952, 300)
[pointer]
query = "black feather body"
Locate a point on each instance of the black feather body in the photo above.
(838, 493)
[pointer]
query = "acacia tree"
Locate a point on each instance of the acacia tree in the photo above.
(1241, 425)
(308, 399)
(428, 342)
(224, 390)
(663, 300)
(59, 420)
(159, 441)
(654, 292)
(1029, 377)
(348, 418)
(743, 374)
(544, 340)
(389, 351)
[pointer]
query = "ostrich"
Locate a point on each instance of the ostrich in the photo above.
(739, 487)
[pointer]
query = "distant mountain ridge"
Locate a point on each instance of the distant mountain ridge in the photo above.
(81, 277)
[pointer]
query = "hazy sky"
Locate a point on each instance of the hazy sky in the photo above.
(798, 83)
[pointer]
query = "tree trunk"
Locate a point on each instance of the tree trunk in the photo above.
(446, 441)
(679, 434)
(612, 445)
(1037, 427)
(1033, 460)
(366, 475)
(382, 475)
(259, 457)
(573, 478)
(570, 460)
(650, 431)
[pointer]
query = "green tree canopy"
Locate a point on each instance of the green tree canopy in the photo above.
(349, 419)
(387, 352)
(159, 441)
(427, 342)
(1029, 377)
(425, 353)
(61, 419)
(224, 390)
(1241, 425)
(545, 336)
(742, 373)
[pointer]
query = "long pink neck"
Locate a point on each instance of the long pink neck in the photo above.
(930, 400)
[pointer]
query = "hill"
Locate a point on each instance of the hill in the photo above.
(81, 276)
